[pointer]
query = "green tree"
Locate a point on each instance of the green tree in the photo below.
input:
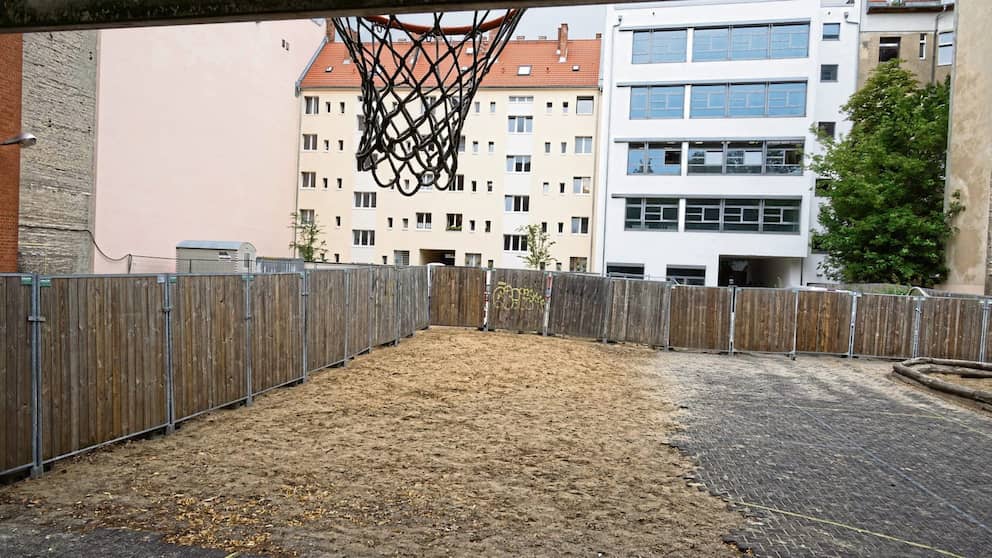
(306, 242)
(539, 245)
(885, 220)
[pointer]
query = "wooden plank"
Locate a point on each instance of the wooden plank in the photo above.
(884, 326)
(325, 318)
(517, 300)
(578, 305)
(276, 330)
(15, 373)
(645, 309)
(700, 318)
(951, 328)
(616, 325)
(824, 322)
(458, 296)
(765, 320)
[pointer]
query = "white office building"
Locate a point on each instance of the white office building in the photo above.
(710, 111)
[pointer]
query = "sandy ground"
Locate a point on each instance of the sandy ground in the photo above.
(983, 384)
(454, 443)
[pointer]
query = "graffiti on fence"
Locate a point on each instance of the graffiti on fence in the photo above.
(508, 297)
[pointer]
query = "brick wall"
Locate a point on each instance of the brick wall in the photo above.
(10, 124)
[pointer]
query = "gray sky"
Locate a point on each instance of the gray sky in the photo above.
(583, 21)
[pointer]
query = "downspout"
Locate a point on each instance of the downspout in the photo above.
(608, 83)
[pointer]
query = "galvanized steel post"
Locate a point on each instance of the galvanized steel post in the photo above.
(669, 289)
(982, 356)
(854, 320)
(487, 296)
(170, 393)
(372, 278)
(917, 313)
(795, 326)
(733, 316)
(36, 319)
(304, 293)
(247, 282)
(608, 309)
(396, 305)
(548, 283)
(347, 313)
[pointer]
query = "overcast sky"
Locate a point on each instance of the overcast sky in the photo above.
(583, 21)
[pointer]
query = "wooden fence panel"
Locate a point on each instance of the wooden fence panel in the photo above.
(276, 330)
(646, 313)
(412, 292)
(359, 310)
(765, 320)
(209, 342)
(458, 296)
(517, 300)
(824, 324)
(951, 328)
(103, 361)
(616, 310)
(15, 373)
(386, 327)
(578, 305)
(326, 315)
(700, 318)
(883, 326)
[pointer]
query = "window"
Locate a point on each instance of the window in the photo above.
(888, 48)
(489, 185)
(492, 106)
(828, 129)
(561, 187)
(477, 107)
(544, 226)
(945, 48)
(473, 260)
(341, 107)
(337, 220)
(625, 270)
(828, 72)
(427, 181)
(306, 216)
(475, 147)
(702, 215)
(790, 40)
(710, 44)
(786, 99)
(340, 183)
(742, 215)
(516, 204)
(748, 100)
(489, 226)
(365, 200)
(518, 163)
(578, 265)
(384, 260)
(751, 42)
(659, 214)
(744, 157)
(327, 107)
(389, 222)
(580, 225)
(401, 257)
(652, 47)
(561, 227)
(454, 222)
(780, 216)
(547, 147)
(492, 147)
(654, 158)
(705, 158)
(308, 180)
(461, 144)
(583, 144)
(546, 188)
(549, 106)
(522, 99)
(337, 258)
(564, 147)
(459, 185)
(474, 186)
(471, 225)
(581, 184)
(312, 105)
(309, 142)
(708, 100)
(784, 158)
(831, 31)
(324, 180)
(583, 105)
(520, 124)
(657, 102)
(363, 237)
(923, 47)
(564, 107)
(360, 122)
(327, 145)
(686, 275)
(406, 223)
(424, 221)
(515, 242)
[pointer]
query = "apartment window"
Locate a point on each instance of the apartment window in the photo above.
(363, 238)
(492, 106)
(686, 275)
(324, 180)
(454, 222)
(471, 225)
(549, 106)
(308, 180)
(517, 163)
(489, 185)
(341, 107)
(424, 221)
(546, 188)
(748, 100)
(340, 183)
(654, 158)
(751, 42)
(561, 187)
(406, 223)
(583, 105)
(945, 48)
(489, 226)
(360, 122)
(337, 220)
(581, 184)
(583, 144)
(461, 144)
(828, 72)
(522, 99)
(473, 260)
(515, 242)
(475, 147)
(564, 107)
(365, 200)
(337, 258)
(477, 107)
(427, 181)
(743, 215)
(564, 147)
(831, 31)
(384, 260)
(492, 147)
(459, 184)
(312, 105)
(489, 264)
(309, 142)
(327, 107)
(544, 226)
(516, 204)
(306, 216)
(547, 147)
(401, 257)
(580, 225)
(657, 46)
(474, 186)
(389, 222)
(888, 48)
(561, 227)
(578, 265)
(827, 129)
(657, 102)
(658, 214)
(327, 145)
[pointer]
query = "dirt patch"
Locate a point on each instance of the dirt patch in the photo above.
(981, 384)
(455, 442)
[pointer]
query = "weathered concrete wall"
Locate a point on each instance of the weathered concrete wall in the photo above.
(57, 174)
(970, 150)
(10, 166)
(926, 70)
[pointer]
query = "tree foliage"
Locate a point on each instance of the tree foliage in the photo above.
(539, 245)
(306, 238)
(885, 220)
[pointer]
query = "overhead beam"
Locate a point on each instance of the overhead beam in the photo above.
(19, 16)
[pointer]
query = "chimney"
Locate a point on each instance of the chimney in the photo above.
(329, 30)
(599, 35)
(563, 42)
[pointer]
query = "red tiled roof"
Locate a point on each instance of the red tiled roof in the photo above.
(541, 55)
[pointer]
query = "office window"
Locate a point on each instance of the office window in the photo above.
(744, 157)
(516, 204)
(780, 216)
(518, 163)
(306, 216)
(492, 106)
(705, 158)
(828, 72)
(583, 144)
(489, 226)
(789, 40)
(635, 271)
(491, 147)
(751, 42)
(659, 214)
(831, 31)
(702, 215)
(657, 102)
(686, 275)
(308, 180)
(401, 257)
(888, 48)
(708, 100)
(581, 184)
(710, 44)
(520, 124)
(515, 242)
(747, 100)
(365, 200)
(363, 237)
(741, 215)
(473, 260)
(654, 158)
(652, 47)
(583, 105)
(786, 99)
(454, 222)
(309, 142)
(784, 158)
(312, 105)
(828, 129)
(945, 48)
(580, 225)
(578, 265)
(547, 147)
(424, 221)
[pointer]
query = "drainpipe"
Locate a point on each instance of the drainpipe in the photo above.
(608, 83)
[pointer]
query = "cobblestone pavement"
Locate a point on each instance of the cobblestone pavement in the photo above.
(831, 457)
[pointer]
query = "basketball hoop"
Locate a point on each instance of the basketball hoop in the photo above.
(418, 82)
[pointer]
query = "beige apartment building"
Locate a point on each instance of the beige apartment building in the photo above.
(920, 33)
(527, 157)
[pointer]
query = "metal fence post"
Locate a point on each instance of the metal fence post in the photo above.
(304, 315)
(396, 303)
(668, 314)
(248, 355)
(795, 326)
(548, 284)
(986, 304)
(854, 321)
(733, 315)
(626, 306)
(372, 314)
(37, 412)
(917, 313)
(430, 279)
(170, 389)
(487, 299)
(608, 309)
(347, 312)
